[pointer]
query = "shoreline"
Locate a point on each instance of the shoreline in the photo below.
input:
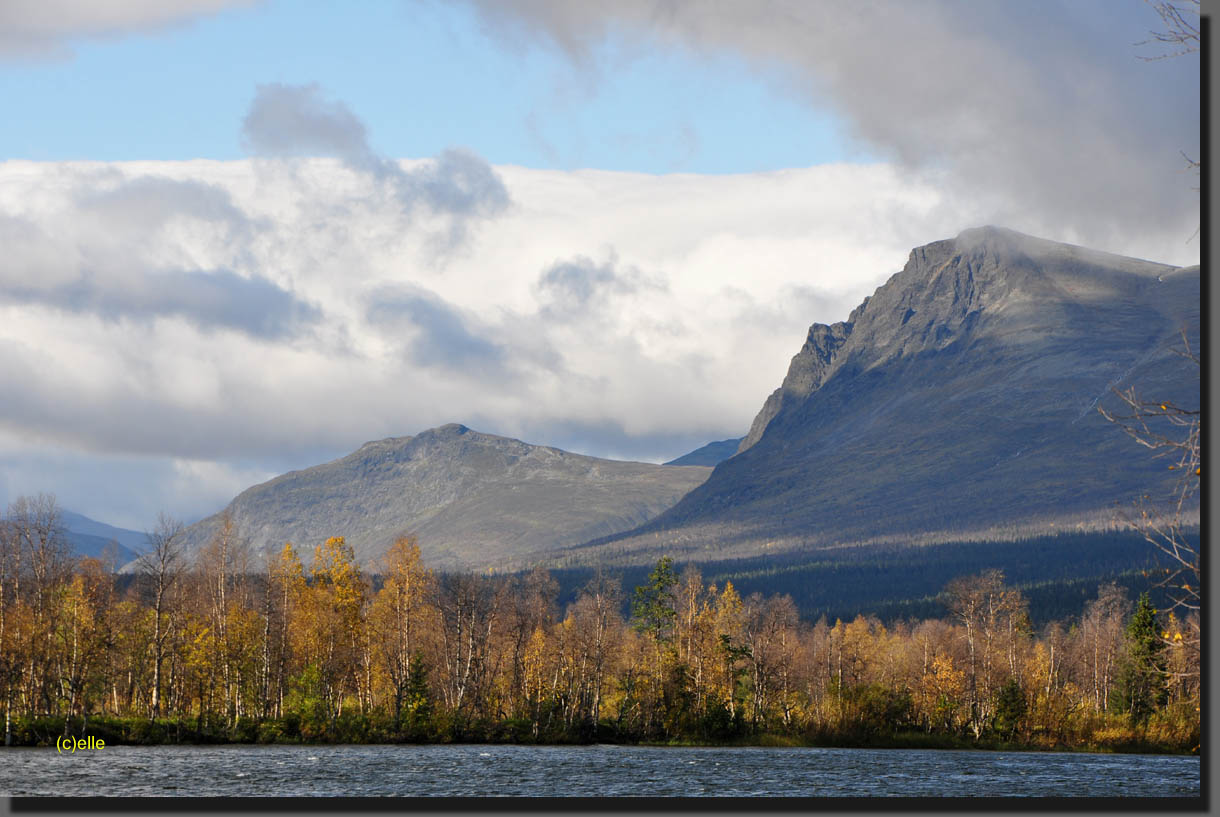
(44, 732)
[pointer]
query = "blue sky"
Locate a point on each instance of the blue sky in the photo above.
(423, 77)
(601, 226)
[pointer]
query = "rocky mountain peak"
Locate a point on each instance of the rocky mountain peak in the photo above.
(958, 402)
(988, 282)
(808, 370)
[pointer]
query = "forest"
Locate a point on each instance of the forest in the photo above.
(1058, 574)
(207, 648)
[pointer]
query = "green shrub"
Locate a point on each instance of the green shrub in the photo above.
(245, 730)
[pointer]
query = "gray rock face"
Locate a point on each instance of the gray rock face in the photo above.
(806, 372)
(473, 499)
(961, 397)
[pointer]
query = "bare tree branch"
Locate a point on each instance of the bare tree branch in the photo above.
(1181, 32)
(1173, 432)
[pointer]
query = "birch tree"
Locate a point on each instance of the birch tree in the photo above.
(162, 567)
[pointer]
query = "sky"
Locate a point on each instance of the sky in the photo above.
(241, 238)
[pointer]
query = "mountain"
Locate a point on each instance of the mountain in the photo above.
(98, 540)
(958, 402)
(473, 499)
(710, 454)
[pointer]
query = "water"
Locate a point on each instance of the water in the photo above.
(385, 771)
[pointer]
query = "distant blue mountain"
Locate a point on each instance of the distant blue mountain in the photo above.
(710, 454)
(91, 538)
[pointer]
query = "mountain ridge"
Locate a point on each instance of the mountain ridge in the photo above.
(984, 349)
(91, 538)
(473, 499)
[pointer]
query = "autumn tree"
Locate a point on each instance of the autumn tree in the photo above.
(770, 639)
(1054, 699)
(732, 651)
(11, 658)
(448, 657)
(689, 602)
(529, 611)
(401, 612)
(41, 545)
(596, 627)
(942, 693)
(85, 634)
(162, 567)
(221, 564)
(993, 617)
(1101, 630)
(332, 622)
(469, 606)
(42, 563)
(284, 589)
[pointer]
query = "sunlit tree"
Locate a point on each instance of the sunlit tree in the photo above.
(401, 611)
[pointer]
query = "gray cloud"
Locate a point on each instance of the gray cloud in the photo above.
(151, 201)
(128, 406)
(107, 261)
(295, 121)
(462, 183)
(127, 491)
(208, 299)
(442, 335)
(573, 287)
(573, 294)
(1041, 111)
(39, 29)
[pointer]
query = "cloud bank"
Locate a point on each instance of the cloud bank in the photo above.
(274, 316)
(249, 317)
(1040, 112)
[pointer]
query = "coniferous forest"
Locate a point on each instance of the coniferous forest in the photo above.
(207, 648)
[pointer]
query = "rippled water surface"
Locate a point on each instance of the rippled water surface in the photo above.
(586, 771)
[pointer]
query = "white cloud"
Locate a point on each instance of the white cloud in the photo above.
(613, 313)
(456, 187)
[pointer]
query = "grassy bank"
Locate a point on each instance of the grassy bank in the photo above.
(354, 730)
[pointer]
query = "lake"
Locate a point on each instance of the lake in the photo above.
(562, 771)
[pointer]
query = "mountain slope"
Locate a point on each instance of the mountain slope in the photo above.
(959, 400)
(98, 540)
(713, 453)
(473, 499)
